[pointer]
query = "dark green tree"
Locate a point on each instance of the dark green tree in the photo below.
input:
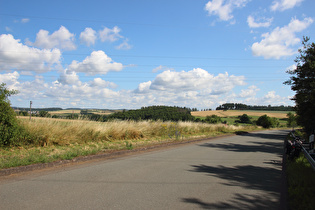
(213, 119)
(302, 82)
(43, 113)
(267, 122)
(9, 128)
(291, 120)
(245, 119)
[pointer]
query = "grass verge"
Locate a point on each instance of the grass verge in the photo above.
(51, 140)
(301, 184)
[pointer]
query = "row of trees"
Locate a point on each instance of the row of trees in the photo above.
(239, 106)
(164, 113)
(302, 82)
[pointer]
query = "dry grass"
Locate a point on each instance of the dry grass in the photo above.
(57, 139)
(231, 113)
(47, 131)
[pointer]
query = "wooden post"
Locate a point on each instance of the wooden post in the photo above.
(30, 110)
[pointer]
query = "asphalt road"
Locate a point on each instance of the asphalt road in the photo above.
(237, 172)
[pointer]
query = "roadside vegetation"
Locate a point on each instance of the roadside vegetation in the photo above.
(301, 183)
(48, 140)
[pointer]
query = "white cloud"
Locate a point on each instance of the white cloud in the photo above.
(124, 46)
(195, 80)
(97, 63)
(61, 39)
(281, 5)
(98, 82)
(161, 68)
(88, 36)
(69, 78)
(280, 41)
(249, 92)
(15, 55)
(224, 11)
(110, 35)
(25, 20)
(252, 24)
(10, 79)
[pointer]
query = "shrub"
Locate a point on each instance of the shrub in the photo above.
(213, 119)
(10, 130)
(245, 119)
(267, 122)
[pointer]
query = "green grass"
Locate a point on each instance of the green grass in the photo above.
(301, 184)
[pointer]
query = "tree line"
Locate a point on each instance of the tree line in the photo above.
(240, 106)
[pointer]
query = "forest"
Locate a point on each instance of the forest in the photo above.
(239, 106)
(163, 113)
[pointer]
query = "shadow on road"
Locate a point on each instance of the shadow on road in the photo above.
(266, 178)
(250, 177)
(240, 201)
(265, 146)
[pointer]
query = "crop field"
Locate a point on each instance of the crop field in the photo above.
(235, 113)
(76, 111)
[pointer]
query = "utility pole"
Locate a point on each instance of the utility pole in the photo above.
(30, 110)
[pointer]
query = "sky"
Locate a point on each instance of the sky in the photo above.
(122, 54)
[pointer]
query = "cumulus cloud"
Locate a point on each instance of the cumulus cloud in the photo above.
(280, 41)
(249, 92)
(88, 36)
(110, 35)
(266, 22)
(10, 79)
(15, 55)
(281, 5)
(69, 78)
(98, 82)
(61, 39)
(97, 63)
(195, 80)
(223, 8)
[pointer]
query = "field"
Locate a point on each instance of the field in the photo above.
(76, 111)
(235, 113)
(57, 139)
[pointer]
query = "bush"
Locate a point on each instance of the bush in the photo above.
(213, 119)
(245, 119)
(267, 122)
(10, 130)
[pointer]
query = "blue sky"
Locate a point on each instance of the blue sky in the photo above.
(117, 54)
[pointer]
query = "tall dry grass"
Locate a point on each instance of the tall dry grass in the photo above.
(50, 140)
(60, 132)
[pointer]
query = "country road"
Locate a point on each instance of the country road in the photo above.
(236, 172)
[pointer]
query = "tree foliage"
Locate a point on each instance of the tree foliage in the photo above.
(9, 127)
(245, 119)
(213, 119)
(302, 82)
(267, 122)
(239, 106)
(164, 113)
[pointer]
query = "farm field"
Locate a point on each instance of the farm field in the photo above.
(76, 111)
(235, 113)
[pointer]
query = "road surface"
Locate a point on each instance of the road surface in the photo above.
(236, 172)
